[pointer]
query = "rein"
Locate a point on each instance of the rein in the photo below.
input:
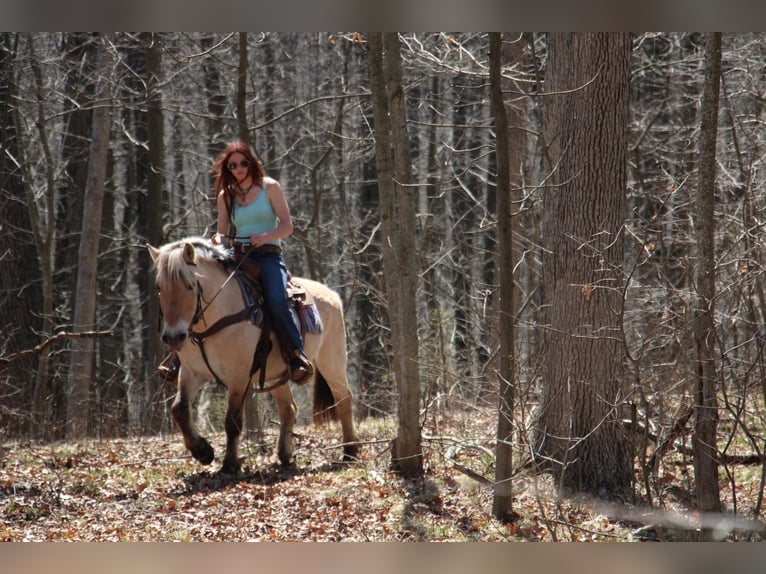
(200, 311)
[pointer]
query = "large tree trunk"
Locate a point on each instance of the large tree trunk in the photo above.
(705, 403)
(579, 430)
(81, 359)
(502, 503)
(398, 226)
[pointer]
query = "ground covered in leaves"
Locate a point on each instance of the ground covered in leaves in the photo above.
(149, 489)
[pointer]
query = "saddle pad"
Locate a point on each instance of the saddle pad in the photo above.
(311, 319)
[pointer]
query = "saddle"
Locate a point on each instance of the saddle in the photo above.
(298, 297)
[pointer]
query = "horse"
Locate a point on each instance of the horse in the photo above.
(197, 291)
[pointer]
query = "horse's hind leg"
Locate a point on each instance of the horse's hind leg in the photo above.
(332, 373)
(331, 362)
(233, 426)
(288, 411)
(181, 411)
(342, 406)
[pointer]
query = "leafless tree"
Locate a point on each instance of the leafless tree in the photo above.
(398, 245)
(706, 401)
(81, 357)
(579, 431)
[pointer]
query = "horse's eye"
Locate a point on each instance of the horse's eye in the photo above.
(190, 287)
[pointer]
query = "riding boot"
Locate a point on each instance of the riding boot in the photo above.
(301, 369)
(168, 369)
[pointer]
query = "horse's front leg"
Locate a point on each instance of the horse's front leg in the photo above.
(288, 411)
(181, 411)
(231, 462)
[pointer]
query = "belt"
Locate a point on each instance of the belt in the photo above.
(247, 247)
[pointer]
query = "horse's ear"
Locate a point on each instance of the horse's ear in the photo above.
(189, 254)
(153, 251)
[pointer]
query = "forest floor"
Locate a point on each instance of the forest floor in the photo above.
(149, 489)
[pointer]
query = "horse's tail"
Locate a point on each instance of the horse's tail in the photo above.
(324, 402)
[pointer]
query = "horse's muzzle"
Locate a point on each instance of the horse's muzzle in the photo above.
(174, 340)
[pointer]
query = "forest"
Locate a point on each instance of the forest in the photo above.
(548, 246)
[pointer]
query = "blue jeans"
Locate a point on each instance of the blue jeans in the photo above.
(274, 282)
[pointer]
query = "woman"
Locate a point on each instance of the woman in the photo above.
(253, 213)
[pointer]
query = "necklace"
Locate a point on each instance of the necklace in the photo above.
(244, 192)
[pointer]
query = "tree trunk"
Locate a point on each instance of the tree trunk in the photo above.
(215, 101)
(372, 363)
(398, 225)
(81, 358)
(244, 133)
(155, 414)
(579, 430)
(20, 280)
(706, 406)
(43, 227)
(252, 417)
(82, 52)
(502, 503)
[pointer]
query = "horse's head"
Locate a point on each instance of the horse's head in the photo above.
(176, 280)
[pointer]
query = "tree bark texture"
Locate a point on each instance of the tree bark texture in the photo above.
(398, 227)
(244, 132)
(81, 358)
(43, 227)
(579, 431)
(706, 405)
(154, 235)
(503, 495)
(20, 328)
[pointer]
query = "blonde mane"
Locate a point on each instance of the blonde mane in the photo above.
(171, 267)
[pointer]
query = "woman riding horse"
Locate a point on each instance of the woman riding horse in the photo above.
(203, 322)
(253, 218)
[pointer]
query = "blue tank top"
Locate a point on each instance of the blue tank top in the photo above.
(256, 217)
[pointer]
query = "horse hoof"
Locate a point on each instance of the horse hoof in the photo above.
(204, 453)
(231, 468)
(282, 459)
(351, 453)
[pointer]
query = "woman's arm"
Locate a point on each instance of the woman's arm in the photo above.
(284, 226)
(223, 218)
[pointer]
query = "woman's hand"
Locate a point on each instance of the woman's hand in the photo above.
(258, 239)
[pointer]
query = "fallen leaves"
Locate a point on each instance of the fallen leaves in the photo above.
(148, 489)
(134, 490)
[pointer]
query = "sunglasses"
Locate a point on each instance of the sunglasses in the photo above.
(244, 163)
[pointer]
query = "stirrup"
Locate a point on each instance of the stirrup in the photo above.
(301, 369)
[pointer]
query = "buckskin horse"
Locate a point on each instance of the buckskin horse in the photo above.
(206, 320)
